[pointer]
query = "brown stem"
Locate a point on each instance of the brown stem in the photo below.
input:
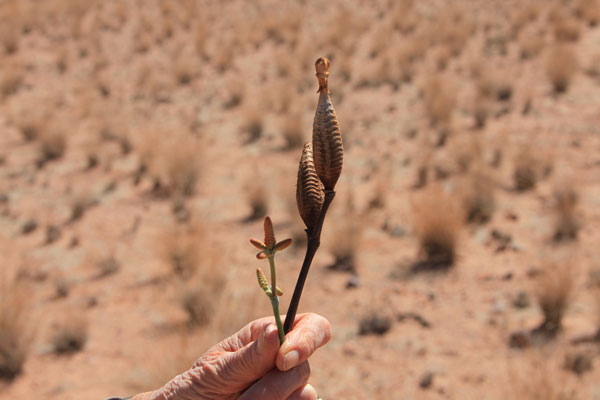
(313, 243)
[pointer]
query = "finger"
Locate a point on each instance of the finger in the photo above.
(278, 385)
(307, 392)
(254, 360)
(246, 335)
(310, 331)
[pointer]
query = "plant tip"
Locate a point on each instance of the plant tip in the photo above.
(322, 68)
(269, 233)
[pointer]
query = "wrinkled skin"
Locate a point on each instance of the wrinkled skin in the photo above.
(250, 365)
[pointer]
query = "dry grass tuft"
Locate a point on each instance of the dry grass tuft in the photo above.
(79, 204)
(554, 288)
(11, 78)
(9, 33)
(539, 378)
(235, 92)
(437, 221)
(345, 242)
(439, 99)
(31, 121)
(171, 157)
(522, 16)
(588, 10)
(478, 198)
(70, 334)
(184, 68)
(200, 297)
(530, 44)
(257, 198)
(183, 166)
(292, 131)
(565, 27)
(525, 174)
(197, 263)
(561, 66)
(15, 332)
(106, 266)
(51, 146)
(567, 222)
(181, 250)
(381, 186)
(253, 125)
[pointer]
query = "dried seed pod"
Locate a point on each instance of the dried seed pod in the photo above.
(327, 137)
(309, 192)
(269, 233)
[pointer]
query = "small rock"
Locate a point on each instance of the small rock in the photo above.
(521, 300)
(397, 231)
(426, 380)
(508, 276)
(92, 302)
(512, 216)
(74, 242)
(52, 234)
(374, 325)
(29, 226)
(502, 239)
(352, 282)
(578, 363)
(520, 340)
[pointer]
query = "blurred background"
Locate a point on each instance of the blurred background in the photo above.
(143, 142)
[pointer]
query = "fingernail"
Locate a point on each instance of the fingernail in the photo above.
(290, 360)
(270, 329)
(310, 392)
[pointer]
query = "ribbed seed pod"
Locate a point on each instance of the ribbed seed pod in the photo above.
(269, 233)
(309, 193)
(327, 137)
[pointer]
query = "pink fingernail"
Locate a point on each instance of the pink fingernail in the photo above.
(290, 360)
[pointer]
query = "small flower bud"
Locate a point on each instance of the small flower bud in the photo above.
(269, 233)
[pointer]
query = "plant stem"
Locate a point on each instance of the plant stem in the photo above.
(275, 304)
(313, 243)
(275, 299)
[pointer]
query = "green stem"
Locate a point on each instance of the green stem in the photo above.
(275, 304)
(275, 299)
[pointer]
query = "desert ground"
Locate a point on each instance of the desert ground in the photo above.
(143, 142)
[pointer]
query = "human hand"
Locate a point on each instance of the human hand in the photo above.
(250, 365)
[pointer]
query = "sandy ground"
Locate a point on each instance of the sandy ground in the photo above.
(130, 83)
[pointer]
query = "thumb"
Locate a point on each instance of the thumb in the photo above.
(254, 360)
